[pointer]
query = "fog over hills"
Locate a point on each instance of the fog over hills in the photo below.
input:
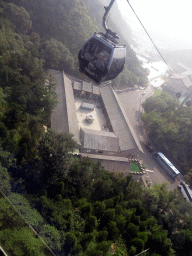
(178, 56)
(167, 23)
(127, 25)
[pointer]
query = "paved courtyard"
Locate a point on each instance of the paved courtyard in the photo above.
(99, 122)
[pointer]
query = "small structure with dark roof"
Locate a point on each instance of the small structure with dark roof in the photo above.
(87, 87)
(87, 106)
(96, 92)
(77, 87)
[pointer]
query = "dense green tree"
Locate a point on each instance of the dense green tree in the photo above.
(160, 104)
(23, 206)
(80, 179)
(169, 129)
(157, 198)
(84, 209)
(102, 236)
(53, 149)
(57, 56)
(118, 248)
(113, 230)
(160, 243)
(19, 17)
(51, 236)
(91, 224)
(5, 180)
(138, 244)
(8, 217)
(21, 242)
(86, 239)
(71, 246)
(99, 208)
(182, 242)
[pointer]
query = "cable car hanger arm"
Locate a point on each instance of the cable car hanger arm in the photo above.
(107, 10)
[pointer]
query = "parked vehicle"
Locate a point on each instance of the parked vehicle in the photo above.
(185, 191)
(170, 169)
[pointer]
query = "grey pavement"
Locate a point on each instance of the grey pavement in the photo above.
(131, 102)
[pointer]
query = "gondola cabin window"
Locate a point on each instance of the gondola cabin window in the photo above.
(117, 64)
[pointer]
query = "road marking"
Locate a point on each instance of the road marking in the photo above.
(149, 171)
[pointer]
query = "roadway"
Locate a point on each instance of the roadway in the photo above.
(132, 104)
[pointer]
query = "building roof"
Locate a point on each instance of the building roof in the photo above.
(80, 85)
(59, 118)
(96, 90)
(64, 118)
(77, 86)
(71, 109)
(184, 66)
(87, 87)
(99, 140)
(119, 121)
(187, 82)
(185, 77)
(181, 75)
(176, 85)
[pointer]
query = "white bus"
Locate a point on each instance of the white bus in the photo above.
(170, 169)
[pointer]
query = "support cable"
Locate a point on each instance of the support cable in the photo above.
(156, 49)
(29, 225)
(149, 36)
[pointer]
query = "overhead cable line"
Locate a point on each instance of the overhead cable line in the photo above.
(29, 225)
(149, 36)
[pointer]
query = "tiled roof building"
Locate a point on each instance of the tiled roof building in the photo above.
(119, 122)
(99, 140)
(180, 82)
(59, 118)
(122, 138)
(71, 110)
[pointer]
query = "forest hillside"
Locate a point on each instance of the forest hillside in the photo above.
(73, 204)
(70, 24)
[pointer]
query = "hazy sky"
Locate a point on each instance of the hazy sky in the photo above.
(168, 20)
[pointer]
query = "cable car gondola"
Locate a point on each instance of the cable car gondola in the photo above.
(102, 58)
